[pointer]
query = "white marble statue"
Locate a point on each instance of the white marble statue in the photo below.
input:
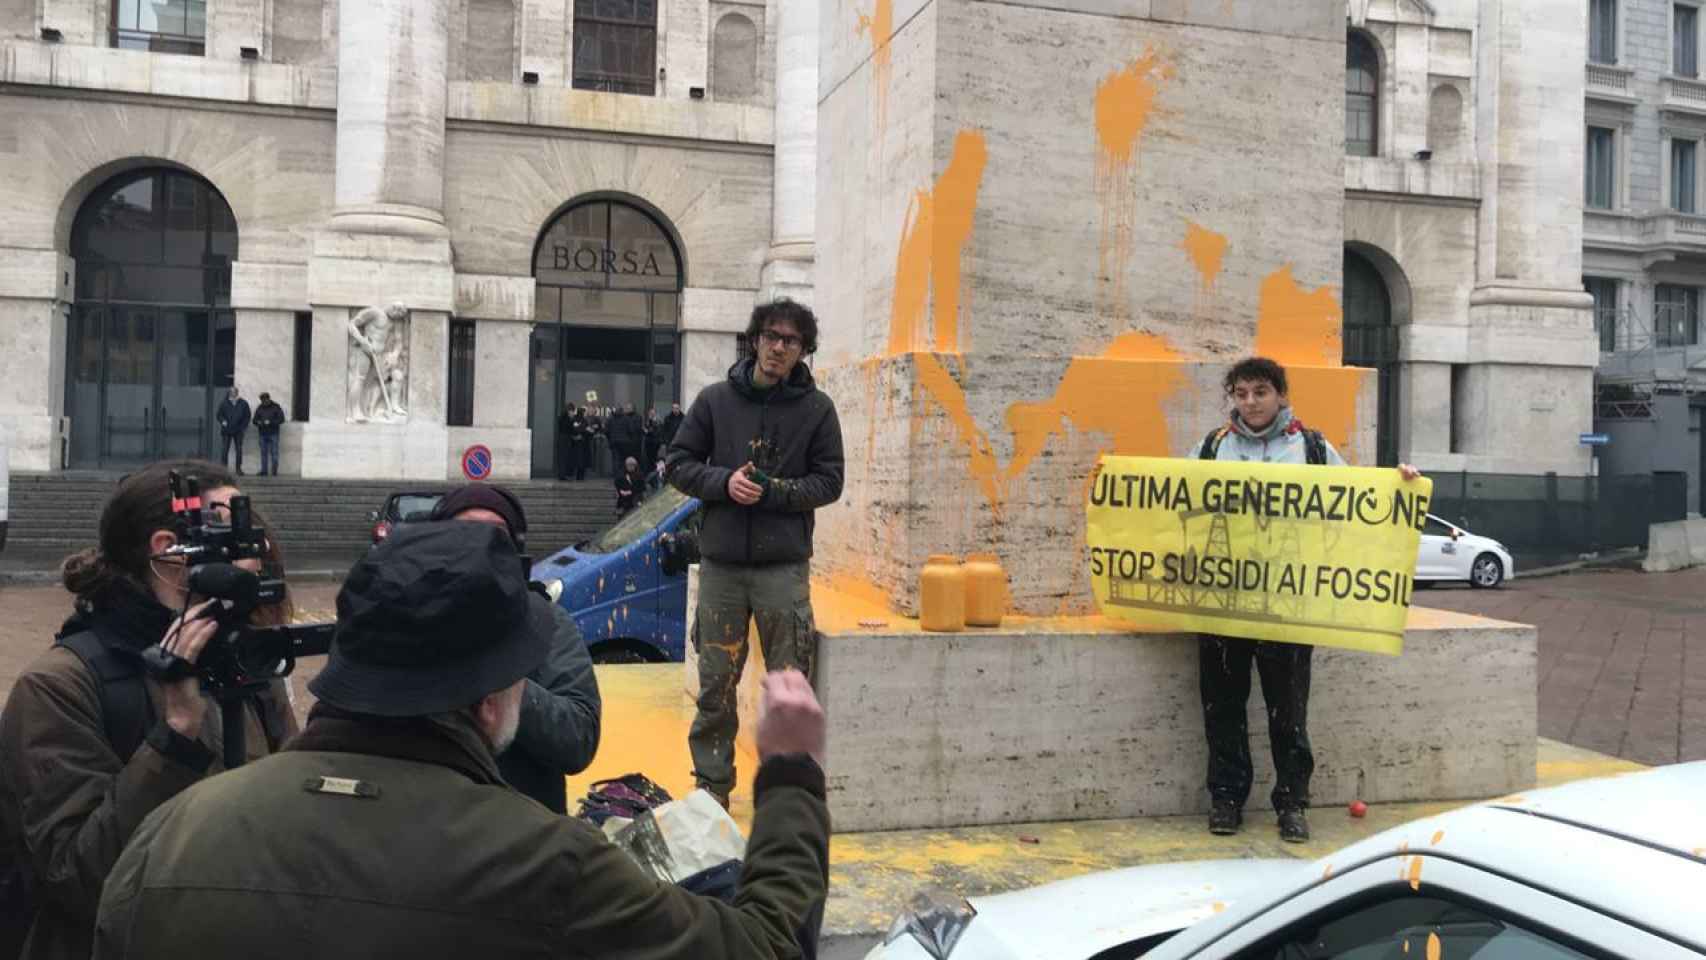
(379, 365)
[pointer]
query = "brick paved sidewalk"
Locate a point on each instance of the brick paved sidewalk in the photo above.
(1622, 656)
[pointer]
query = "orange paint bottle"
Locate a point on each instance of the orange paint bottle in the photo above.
(942, 594)
(986, 590)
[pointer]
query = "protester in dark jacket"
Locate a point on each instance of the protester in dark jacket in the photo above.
(70, 796)
(560, 708)
(625, 435)
(268, 417)
(630, 486)
(671, 423)
(385, 830)
(762, 450)
(233, 416)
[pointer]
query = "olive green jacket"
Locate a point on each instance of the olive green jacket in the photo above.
(416, 848)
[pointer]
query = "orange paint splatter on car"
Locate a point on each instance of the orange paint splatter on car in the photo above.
(1415, 874)
(1434, 948)
(1438, 836)
(1208, 252)
(1327, 872)
(1219, 907)
(938, 226)
(1125, 100)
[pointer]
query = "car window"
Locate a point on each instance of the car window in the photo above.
(637, 522)
(1412, 927)
(412, 504)
(1435, 528)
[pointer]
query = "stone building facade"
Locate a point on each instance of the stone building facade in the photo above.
(1644, 233)
(1462, 223)
(566, 199)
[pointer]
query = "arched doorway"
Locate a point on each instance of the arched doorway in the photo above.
(152, 336)
(608, 277)
(1371, 340)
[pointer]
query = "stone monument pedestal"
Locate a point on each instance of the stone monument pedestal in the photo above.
(1087, 718)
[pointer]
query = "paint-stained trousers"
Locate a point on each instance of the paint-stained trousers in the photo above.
(779, 598)
(1224, 670)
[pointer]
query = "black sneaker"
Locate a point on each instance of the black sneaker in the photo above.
(1224, 818)
(1293, 826)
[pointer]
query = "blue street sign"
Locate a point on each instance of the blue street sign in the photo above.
(1596, 439)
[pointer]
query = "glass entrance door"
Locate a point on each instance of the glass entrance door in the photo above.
(144, 376)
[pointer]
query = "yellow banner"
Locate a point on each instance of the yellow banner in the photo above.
(1305, 554)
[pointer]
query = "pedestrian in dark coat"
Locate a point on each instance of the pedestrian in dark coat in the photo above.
(630, 486)
(70, 794)
(269, 416)
(651, 434)
(386, 830)
(762, 450)
(561, 710)
(625, 435)
(233, 416)
(671, 423)
(565, 441)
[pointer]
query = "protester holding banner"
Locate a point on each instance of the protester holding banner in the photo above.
(1261, 429)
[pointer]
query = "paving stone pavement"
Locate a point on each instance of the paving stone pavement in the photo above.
(1622, 656)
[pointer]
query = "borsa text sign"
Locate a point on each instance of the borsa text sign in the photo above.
(1304, 554)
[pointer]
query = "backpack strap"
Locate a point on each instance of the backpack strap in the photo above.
(1314, 447)
(124, 696)
(1211, 444)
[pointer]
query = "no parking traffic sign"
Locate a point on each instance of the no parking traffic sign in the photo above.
(477, 462)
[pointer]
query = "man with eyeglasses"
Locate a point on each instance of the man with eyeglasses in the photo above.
(762, 450)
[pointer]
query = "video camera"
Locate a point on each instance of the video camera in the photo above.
(240, 659)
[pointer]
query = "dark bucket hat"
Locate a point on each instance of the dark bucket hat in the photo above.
(434, 618)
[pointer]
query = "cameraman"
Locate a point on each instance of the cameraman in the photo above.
(89, 743)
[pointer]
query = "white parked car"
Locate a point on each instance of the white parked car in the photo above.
(1449, 552)
(1599, 868)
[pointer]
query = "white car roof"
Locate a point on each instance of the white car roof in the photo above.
(1632, 847)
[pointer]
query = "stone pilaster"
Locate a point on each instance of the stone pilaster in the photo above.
(788, 267)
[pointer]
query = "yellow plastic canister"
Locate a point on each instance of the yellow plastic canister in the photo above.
(942, 594)
(986, 590)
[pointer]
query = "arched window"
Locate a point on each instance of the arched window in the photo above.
(1370, 340)
(616, 46)
(1362, 96)
(152, 337)
(607, 302)
(734, 58)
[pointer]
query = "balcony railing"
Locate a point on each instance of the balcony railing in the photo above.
(1673, 229)
(1683, 93)
(1612, 81)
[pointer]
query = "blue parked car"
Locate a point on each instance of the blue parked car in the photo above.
(627, 587)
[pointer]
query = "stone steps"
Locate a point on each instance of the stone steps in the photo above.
(62, 510)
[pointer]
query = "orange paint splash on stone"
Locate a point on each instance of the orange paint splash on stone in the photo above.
(1208, 252)
(1125, 101)
(879, 25)
(938, 226)
(1298, 327)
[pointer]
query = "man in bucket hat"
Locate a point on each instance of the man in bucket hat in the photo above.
(560, 705)
(386, 830)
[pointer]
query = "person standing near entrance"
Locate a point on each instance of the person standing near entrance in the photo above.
(651, 434)
(671, 424)
(233, 423)
(1260, 429)
(625, 435)
(268, 417)
(762, 450)
(566, 442)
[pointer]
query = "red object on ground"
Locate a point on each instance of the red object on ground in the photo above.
(1358, 808)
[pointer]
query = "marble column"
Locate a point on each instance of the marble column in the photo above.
(793, 252)
(392, 58)
(1530, 324)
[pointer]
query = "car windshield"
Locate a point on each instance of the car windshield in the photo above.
(637, 523)
(414, 503)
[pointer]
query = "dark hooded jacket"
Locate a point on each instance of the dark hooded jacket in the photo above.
(68, 800)
(416, 848)
(789, 432)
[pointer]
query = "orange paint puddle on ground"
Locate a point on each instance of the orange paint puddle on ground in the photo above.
(1207, 250)
(1125, 101)
(938, 226)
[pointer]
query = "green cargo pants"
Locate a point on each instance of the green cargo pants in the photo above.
(779, 598)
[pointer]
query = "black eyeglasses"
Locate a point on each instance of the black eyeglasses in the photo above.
(770, 338)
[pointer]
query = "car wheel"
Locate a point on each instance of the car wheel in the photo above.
(1487, 572)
